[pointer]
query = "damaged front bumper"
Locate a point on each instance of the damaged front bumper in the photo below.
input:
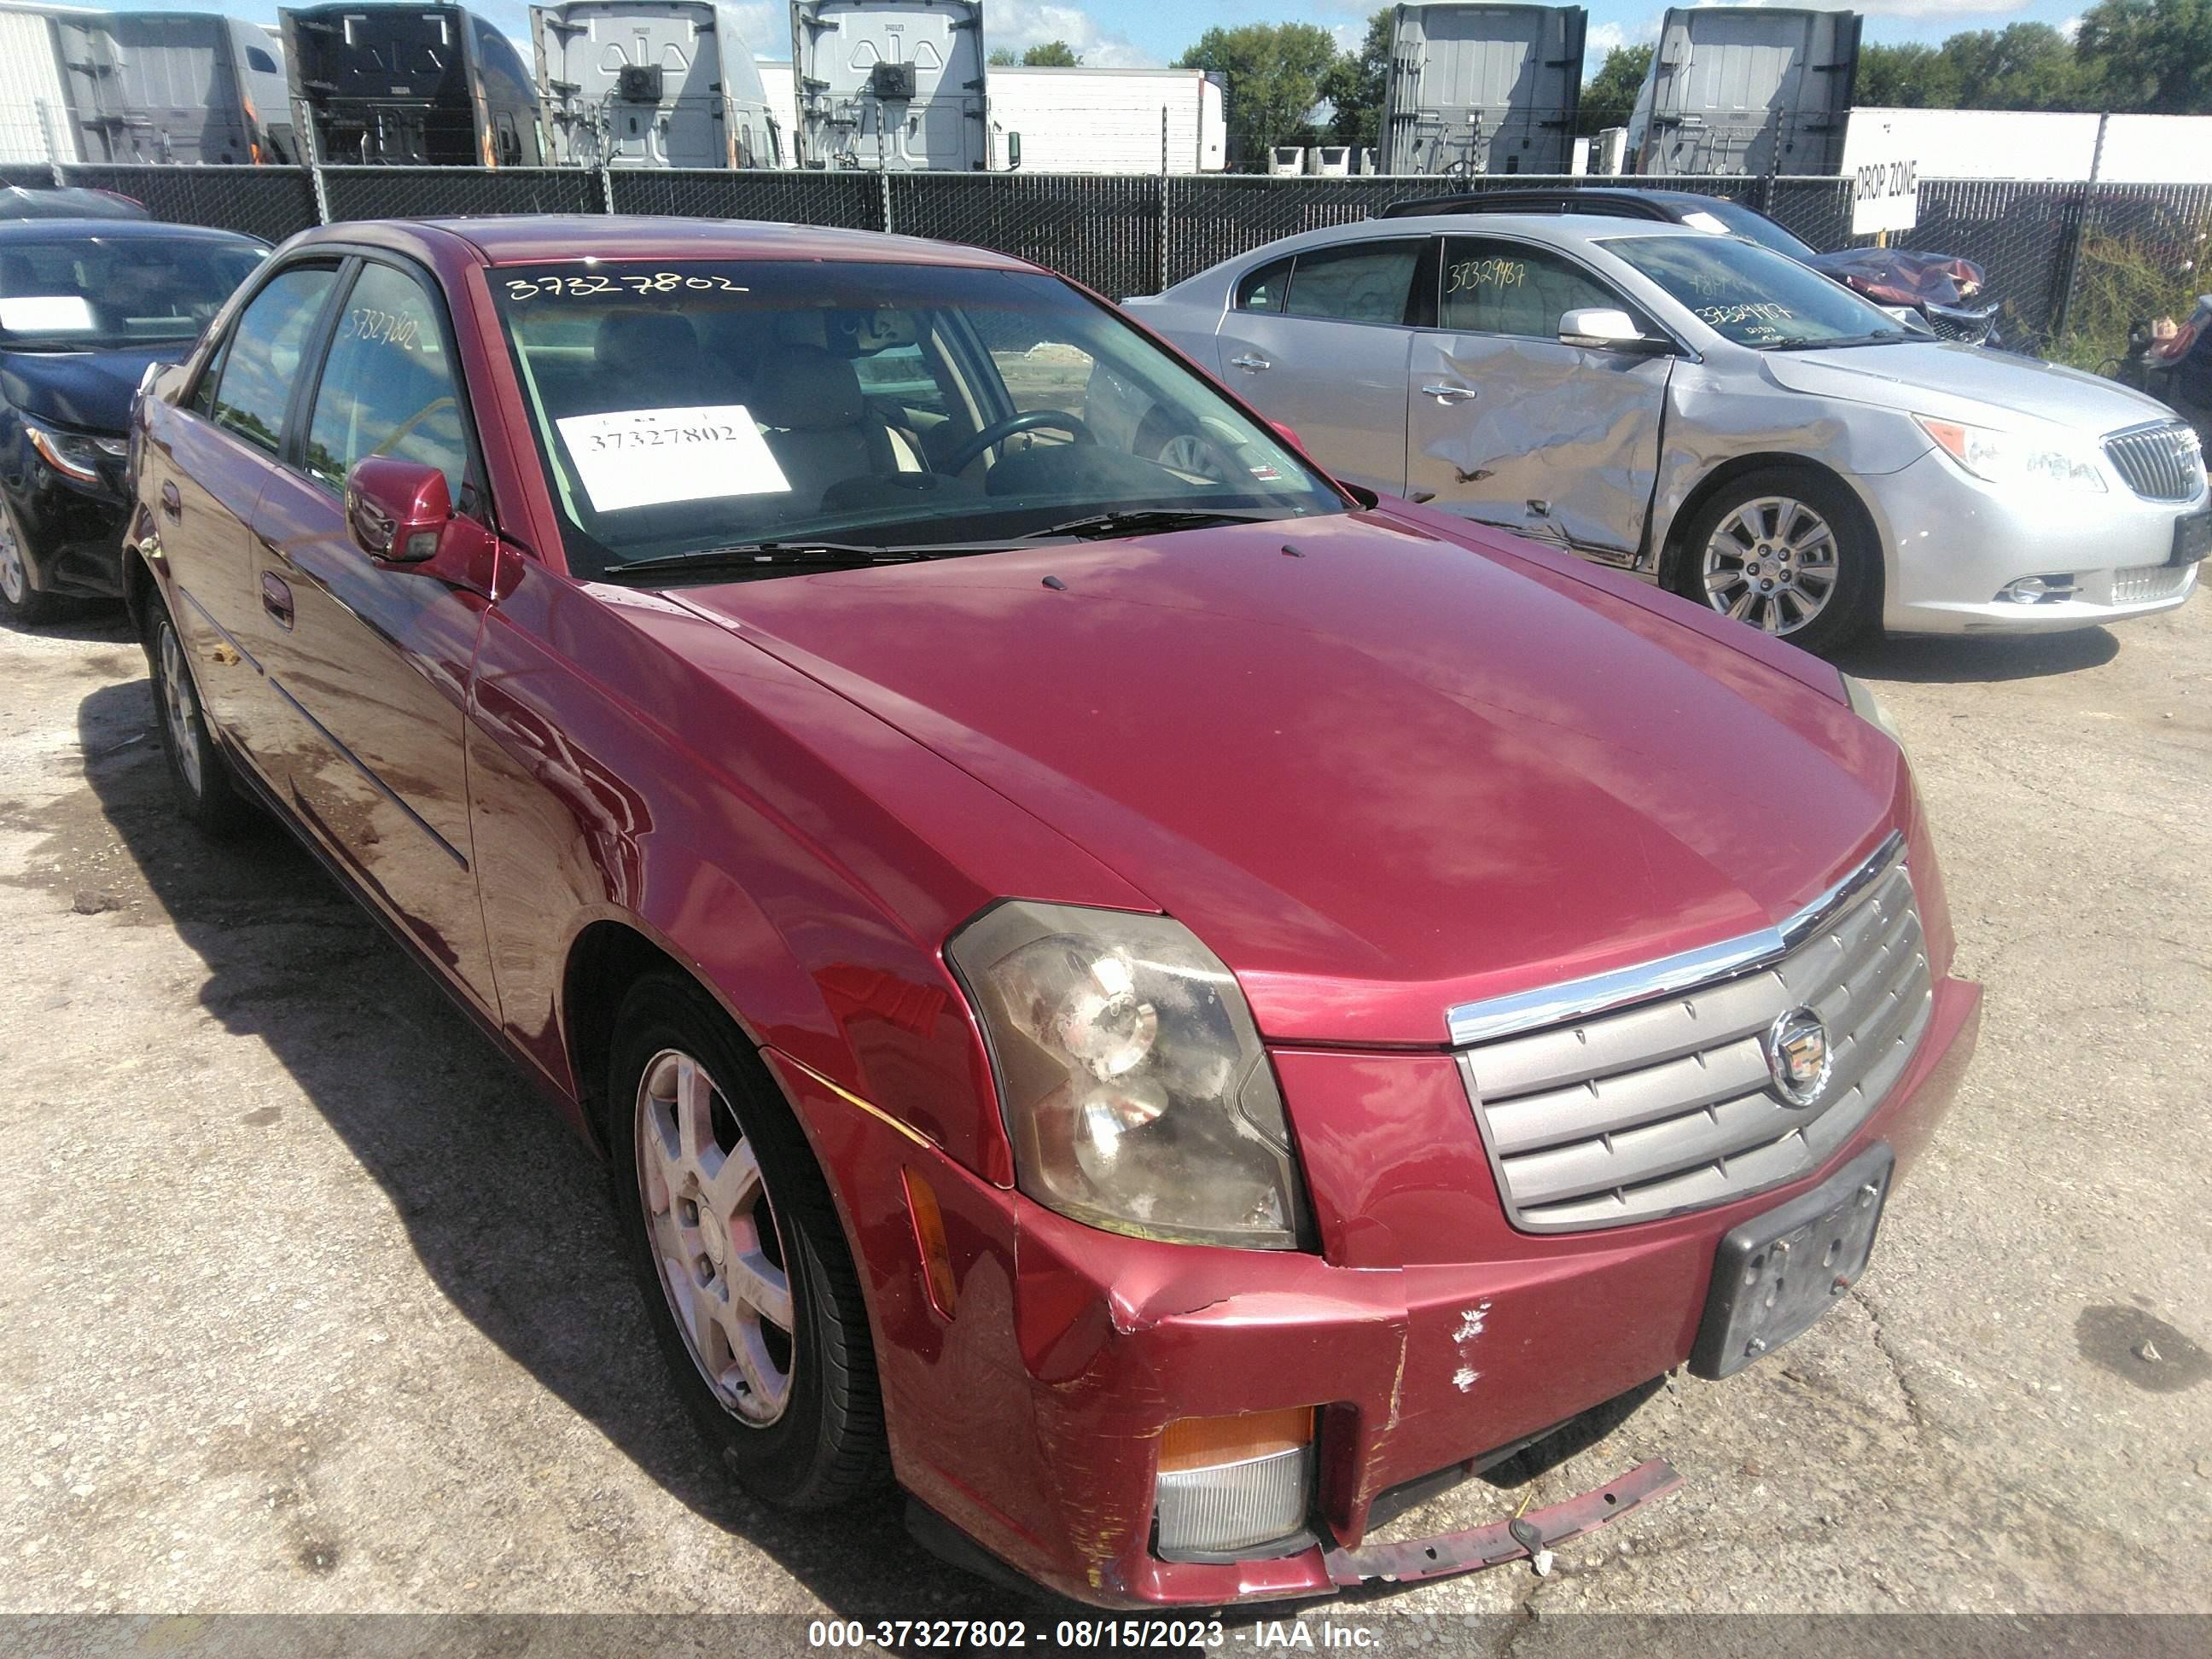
(1034, 1395)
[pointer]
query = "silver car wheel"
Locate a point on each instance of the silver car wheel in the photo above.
(1772, 563)
(1187, 453)
(715, 1238)
(15, 569)
(180, 708)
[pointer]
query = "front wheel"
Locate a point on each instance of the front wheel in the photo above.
(731, 1229)
(1790, 553)
(21, 600)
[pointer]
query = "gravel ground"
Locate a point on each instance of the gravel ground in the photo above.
(308, 1305)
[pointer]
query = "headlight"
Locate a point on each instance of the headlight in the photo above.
(2011, 458)
(1868, 706)
(1136, 1092)
(68, 454)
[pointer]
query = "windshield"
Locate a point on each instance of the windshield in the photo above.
(1733, 218)
(682, 407)
(1752, 296)
(84, 293)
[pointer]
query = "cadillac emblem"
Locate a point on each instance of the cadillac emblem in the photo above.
(1798, 1055)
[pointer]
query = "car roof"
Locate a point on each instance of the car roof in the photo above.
(118, 230)
(1505, 199)
(1557, 229)
(547, 238)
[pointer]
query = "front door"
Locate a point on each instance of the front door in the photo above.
(374, 659)
(1319, 343)
(1509, 426)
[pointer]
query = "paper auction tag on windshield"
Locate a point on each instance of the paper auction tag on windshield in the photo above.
(649, 457)
(40, 313)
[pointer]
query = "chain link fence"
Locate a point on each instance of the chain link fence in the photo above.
(2048, 247)
(850, 201)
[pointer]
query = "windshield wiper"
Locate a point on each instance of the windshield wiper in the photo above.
(761, 556)
(1137, 520)
(1880, 337)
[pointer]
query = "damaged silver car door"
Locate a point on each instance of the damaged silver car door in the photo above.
(1508, 423)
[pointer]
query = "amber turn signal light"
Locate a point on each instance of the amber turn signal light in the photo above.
(929, 1238)
(1193, 1442)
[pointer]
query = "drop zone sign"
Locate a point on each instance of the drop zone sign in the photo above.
(1885, 184)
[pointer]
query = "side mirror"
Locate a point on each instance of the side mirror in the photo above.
(398, 510)
(1013, 152)
(1602, 328)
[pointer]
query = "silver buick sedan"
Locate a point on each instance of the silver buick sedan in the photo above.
(1700, 410)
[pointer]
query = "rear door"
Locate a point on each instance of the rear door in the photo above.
(1319, 342)
(1509, 426)
(373, 659)
(205, 464)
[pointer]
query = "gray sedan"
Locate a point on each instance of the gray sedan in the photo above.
(1704, 412)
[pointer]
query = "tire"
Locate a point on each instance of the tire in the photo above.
(785, 1389)
(200, 777)
(21, 600)
(1788, 551)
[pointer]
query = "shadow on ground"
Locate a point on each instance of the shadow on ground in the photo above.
(1970, 658)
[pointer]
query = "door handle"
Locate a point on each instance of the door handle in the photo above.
(172, 504)
(1251, 360)
(276, 596)
(1449, 394)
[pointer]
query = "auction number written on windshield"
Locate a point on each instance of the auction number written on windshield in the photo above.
(601, 283)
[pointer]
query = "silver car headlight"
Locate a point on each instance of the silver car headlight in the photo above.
(1868, 706)
(2013, 457)
(1135, 1090)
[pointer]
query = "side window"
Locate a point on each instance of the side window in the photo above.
(261, 364)
(1361, 283)
(1264, 289)
(1510, 287)
(388, 387)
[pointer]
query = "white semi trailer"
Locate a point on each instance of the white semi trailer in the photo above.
(175, 87)
(1747, 89)
(1108, 120)
(654, 83)
(895, 86)
(1476, 89)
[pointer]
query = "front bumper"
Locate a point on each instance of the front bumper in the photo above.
(1429, 1333)
(1956, 544)
(72, 536)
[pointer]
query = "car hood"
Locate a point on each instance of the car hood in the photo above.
(1904, 277)
(91, 390)
(1379, 776)
(1964, 383)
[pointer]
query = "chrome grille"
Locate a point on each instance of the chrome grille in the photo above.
(2161, 462)
(1971, 327)
(2141, 583)
(1668, 1105)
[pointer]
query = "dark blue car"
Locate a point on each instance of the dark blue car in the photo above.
(86, 306)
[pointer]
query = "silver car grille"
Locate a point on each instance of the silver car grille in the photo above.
(1971, 327)
(1668, 1104)
(2161, 462)
(2138, 584)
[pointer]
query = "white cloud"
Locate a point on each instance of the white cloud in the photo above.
(2071, 27)
(1935, 8)
(1015, 24)
(1605, 37)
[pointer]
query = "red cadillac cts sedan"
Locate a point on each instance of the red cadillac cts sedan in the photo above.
(1150, 997)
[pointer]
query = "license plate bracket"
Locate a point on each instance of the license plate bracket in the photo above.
(2192, 536)
(1776, 1274)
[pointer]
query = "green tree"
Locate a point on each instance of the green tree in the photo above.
(1354, 84)
(1002, 58)
(1909, 76)
(1051, 54)
(2022, 66)
(2154, 55)
(1610, 94)
(1273, 73)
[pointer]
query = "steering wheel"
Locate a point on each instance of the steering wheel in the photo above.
(1027, 421)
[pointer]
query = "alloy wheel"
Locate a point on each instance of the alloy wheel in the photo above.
(180, 708)
(1772, 563)
(715, 1238)
(1188, 452)
(15, 569)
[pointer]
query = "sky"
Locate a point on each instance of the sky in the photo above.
(1111, 34)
